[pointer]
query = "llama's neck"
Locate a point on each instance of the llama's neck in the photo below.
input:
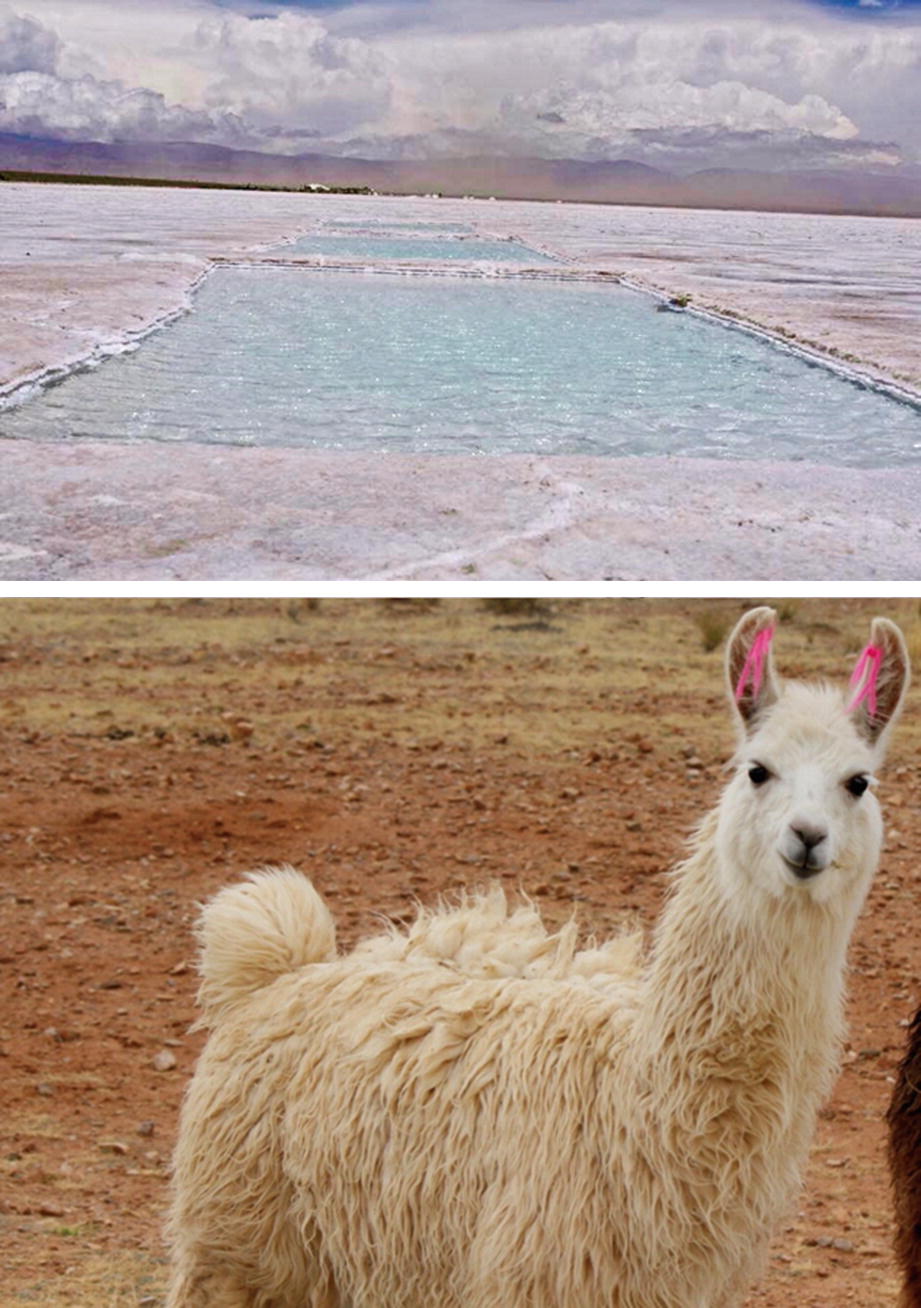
(745, 996)
(734, 1048)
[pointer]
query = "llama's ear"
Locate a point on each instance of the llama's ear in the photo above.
(879, 681)
(750, 665)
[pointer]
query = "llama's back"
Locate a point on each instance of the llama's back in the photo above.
(483, 937)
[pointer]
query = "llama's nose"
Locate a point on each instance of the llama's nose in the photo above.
(808, 834)
(809, 856)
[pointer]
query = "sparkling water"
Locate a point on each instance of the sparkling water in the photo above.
(384, 362)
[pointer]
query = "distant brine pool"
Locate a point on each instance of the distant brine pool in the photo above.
(396, 243)
(382, 362)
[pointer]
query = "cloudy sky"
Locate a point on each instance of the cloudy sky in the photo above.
(679, 84)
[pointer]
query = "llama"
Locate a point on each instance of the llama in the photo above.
(904, 1119)
(478, 1114)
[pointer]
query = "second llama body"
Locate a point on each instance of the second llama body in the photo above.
(904, 1120)
(476, 1114)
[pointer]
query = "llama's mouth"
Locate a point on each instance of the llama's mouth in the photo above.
(803, 871)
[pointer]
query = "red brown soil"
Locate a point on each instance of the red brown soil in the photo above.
(152, 751)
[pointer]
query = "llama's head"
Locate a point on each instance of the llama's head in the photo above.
(799, 819)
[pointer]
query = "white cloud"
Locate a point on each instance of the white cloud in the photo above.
(584, 121)
(26, 45)
(84, 108)
(291, 71)
(593, 91)
(41, 95)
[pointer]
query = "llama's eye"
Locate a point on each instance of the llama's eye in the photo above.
(856, 785)
(758, 774)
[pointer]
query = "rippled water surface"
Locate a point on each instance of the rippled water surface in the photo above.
(382, 362)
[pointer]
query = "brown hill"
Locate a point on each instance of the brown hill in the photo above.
(891, 192)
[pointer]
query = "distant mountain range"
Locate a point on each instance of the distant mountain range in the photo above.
(892, 192)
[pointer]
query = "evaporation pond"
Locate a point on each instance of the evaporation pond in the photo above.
(436, 364)
(368, 244)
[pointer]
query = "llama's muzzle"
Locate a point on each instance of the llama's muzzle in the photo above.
(806, 849)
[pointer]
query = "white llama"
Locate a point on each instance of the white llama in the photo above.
(477, 1115)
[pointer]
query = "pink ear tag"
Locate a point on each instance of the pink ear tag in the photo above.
(753, 670)
(866, 675)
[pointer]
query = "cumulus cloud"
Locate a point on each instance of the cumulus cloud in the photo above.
(40, 96)
(291, 72)
(85, 108)
(26, 45)
(612, 112)
(263, 84)
(700, 84)
(593, 92)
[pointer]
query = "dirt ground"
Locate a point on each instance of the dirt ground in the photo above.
(150, 751)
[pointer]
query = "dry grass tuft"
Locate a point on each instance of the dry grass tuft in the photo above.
(116, 1280)
(713, 627)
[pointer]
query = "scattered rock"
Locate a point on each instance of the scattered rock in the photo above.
(119, 733)
(113, 1147)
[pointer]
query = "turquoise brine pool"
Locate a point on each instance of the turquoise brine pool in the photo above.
(392, 243)
(430, 365)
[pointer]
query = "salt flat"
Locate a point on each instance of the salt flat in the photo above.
(187, 512)
(85, 269)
